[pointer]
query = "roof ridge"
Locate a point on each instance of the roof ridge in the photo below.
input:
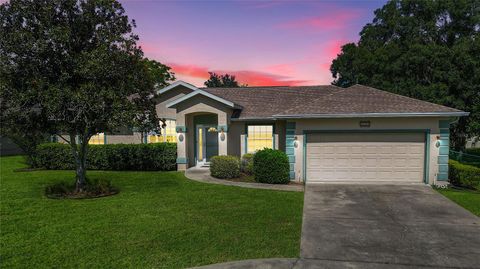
(279, 86)
(399, 95)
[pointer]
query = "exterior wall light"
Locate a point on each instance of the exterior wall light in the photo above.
(222, 136)
(295, 142)
(180, 137)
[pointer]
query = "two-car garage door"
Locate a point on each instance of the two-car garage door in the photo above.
(365, 157)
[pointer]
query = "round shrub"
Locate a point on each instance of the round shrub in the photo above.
(247, 163)
(271, 166)
(224, 167)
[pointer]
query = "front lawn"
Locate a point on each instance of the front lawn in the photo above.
(470, 200)
(158, 220)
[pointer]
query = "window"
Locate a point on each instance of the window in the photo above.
(259, 137)
(98, 139)
(168, 134)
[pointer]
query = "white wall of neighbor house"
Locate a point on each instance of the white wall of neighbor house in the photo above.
(430, 123)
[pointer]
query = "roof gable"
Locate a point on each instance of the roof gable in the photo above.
(206, 94)
(177, 84)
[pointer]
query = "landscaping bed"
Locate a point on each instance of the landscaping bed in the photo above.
(158, 220)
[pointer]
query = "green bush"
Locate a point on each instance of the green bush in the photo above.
(271, 166)
(464, 175)
(247, 163)
(224, 167)
(147, 157)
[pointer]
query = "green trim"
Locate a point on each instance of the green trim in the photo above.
(304, 161)
(444, 124)
(442, 176)
(443, 168)
(290, 147)
(182, 160)
(426, 160)
(443, 150)
(181, 129)
(223, 128)
(386, 131)
(442, 159)
(104, 138)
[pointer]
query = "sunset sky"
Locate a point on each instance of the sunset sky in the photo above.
(262, 43)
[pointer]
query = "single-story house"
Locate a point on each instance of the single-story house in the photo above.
(354, 134)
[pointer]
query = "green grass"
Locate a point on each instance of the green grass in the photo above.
(469, 200)
(158, 220)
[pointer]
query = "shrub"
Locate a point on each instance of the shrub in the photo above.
(150, 157)
(464, 175)
(271, 166)
(247, 163)
(224, 167)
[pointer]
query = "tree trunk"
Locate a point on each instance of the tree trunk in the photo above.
(80, 155)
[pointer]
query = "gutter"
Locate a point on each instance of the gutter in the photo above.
(372, 115)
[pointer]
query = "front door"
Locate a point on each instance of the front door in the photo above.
(206, 144)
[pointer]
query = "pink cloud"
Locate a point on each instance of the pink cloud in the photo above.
(332, 21)
(250, 77)
(190, 70)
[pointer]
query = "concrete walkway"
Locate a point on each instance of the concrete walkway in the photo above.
(203, 175)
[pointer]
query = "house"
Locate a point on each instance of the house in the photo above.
(355, 134)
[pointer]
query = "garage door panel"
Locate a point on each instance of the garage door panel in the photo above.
(365, 157)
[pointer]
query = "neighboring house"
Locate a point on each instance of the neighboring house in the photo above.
(473, 142)
(329, 133)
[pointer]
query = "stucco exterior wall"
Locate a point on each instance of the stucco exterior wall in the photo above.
(375, 124)
(185, 112)
(167, 97)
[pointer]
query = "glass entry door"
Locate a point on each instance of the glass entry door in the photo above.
(206, 143)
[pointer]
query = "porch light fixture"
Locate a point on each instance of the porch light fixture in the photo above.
(295, 142)
(180, 137)
(212, 130)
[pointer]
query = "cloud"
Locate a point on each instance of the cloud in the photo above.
(250, 77)
(332, 21)
(190, 70)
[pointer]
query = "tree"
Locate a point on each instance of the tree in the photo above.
(146, 119)
(216, 80)
(75, 65)
(423, 49)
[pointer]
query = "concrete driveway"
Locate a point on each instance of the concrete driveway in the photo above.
(372, 226)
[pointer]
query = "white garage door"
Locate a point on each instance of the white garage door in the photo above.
(376, 157)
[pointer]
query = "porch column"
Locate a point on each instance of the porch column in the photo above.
(182, 160)
(222, 133)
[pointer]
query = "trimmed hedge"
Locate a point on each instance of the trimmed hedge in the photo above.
(224, 167)
(247, 163)
(271, 166)
(464, 175)
(145, 157)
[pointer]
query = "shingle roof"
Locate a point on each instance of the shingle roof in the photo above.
(324, 101)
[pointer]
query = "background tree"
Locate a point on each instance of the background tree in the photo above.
(225, 80)
(146, 119)
(76, 64)
(423, 49)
